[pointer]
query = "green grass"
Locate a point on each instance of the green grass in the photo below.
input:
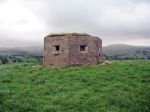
(123, 86)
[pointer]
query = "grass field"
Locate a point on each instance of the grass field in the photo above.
(123, 86)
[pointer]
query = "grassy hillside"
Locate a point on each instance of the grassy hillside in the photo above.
(21, 56)
(133, 54)
(123, 86)
(127, 52)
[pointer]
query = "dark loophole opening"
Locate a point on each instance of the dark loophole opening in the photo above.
(82, 47)
(57, 48)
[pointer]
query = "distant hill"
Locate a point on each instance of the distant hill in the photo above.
(32, 48)
(113, 52)
(29, 53)
(122, 47)
(120, 51)
(7, 49)
(28, 48)
(113, 47)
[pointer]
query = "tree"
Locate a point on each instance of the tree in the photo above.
(4, 60)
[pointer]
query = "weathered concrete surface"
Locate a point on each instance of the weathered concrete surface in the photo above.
(69, 52)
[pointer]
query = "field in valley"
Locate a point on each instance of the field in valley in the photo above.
(123, 86)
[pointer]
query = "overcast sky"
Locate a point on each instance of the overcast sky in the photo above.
(26, 22)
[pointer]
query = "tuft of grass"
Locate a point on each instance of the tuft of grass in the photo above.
(123, 86)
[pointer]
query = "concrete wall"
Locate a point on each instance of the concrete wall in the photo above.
(52, 57)
(69, 52)
(91, 56)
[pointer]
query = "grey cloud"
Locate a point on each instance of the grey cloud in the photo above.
(110, 19)
(1, 1)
